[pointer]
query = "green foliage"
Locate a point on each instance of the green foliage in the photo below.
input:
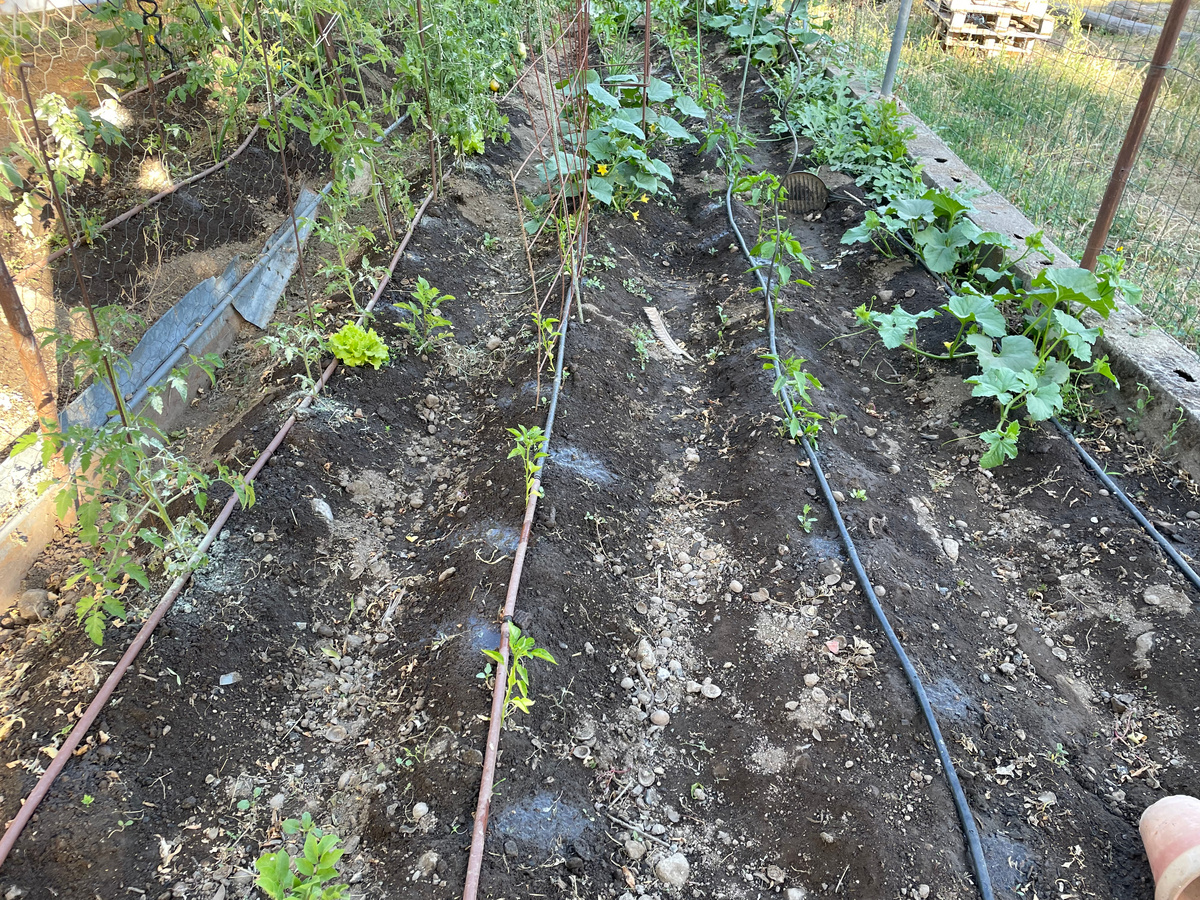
(625, 169)
(356, 347)
(73, 141)
(529, 444)
(123, 479)
(757, 27)
(547, 336)
(863, 139)
(304, 339)
(935, 227)
(776, 252)
(426, 325)
(521, 648)
(308, 876)
(641, 338)
(792, 388)
(1024, 367)
(807, 518)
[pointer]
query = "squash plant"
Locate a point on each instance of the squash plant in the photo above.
(934, 226)
(1026, 357)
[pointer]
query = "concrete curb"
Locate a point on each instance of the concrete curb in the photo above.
(1139, 352)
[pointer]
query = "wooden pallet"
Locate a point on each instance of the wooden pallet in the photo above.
(987, 43)
(1037, 8)
(995, 24)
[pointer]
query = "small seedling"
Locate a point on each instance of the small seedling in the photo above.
(529, 443)
(807, 519)
(305, 877)
(1057, 756)
(1170, 438)
(859, 494)
(520, 648)
(792, 386)
(88, 799)
(641, 340)
(425, 323)
(634, 287)
(490, 243)
(547, 337)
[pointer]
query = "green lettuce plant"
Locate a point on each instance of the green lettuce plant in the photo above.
(357, 347)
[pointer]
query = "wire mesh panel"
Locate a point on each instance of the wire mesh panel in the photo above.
(1044, 127)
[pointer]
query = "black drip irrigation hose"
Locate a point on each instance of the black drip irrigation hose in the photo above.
(963, 807)
(978, 862)
(1132, 508)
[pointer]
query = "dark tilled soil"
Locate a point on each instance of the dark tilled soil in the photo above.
(722, 690)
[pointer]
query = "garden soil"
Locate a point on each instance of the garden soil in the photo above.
(725, 718)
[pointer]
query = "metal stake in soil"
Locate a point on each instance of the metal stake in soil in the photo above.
(1138, 123)
(60, 210)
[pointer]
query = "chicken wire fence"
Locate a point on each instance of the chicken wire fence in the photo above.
(1042, 121)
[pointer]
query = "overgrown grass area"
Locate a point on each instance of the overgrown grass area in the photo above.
(1044, 130)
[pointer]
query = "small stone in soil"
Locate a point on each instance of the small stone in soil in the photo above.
(660, 717)
(426, 865)
(635, 850)
(321, 508)
(35, 605)
(420, 810)
(735, 587)
(673, 870)
(335, 734)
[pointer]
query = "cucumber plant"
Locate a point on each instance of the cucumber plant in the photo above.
(1028, 343)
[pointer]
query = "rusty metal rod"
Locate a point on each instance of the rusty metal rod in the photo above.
(28, 351)
(1138, 124)
(61, 211)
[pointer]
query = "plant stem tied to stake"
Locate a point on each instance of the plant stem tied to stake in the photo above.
(60, 210)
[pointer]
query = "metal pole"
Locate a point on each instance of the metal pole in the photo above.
(1137, 131)
(645, 63)
(893, 63)
(27, 349)
(61, 211)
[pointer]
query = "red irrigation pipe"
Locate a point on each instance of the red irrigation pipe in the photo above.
(492, 751)
(110, 685)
